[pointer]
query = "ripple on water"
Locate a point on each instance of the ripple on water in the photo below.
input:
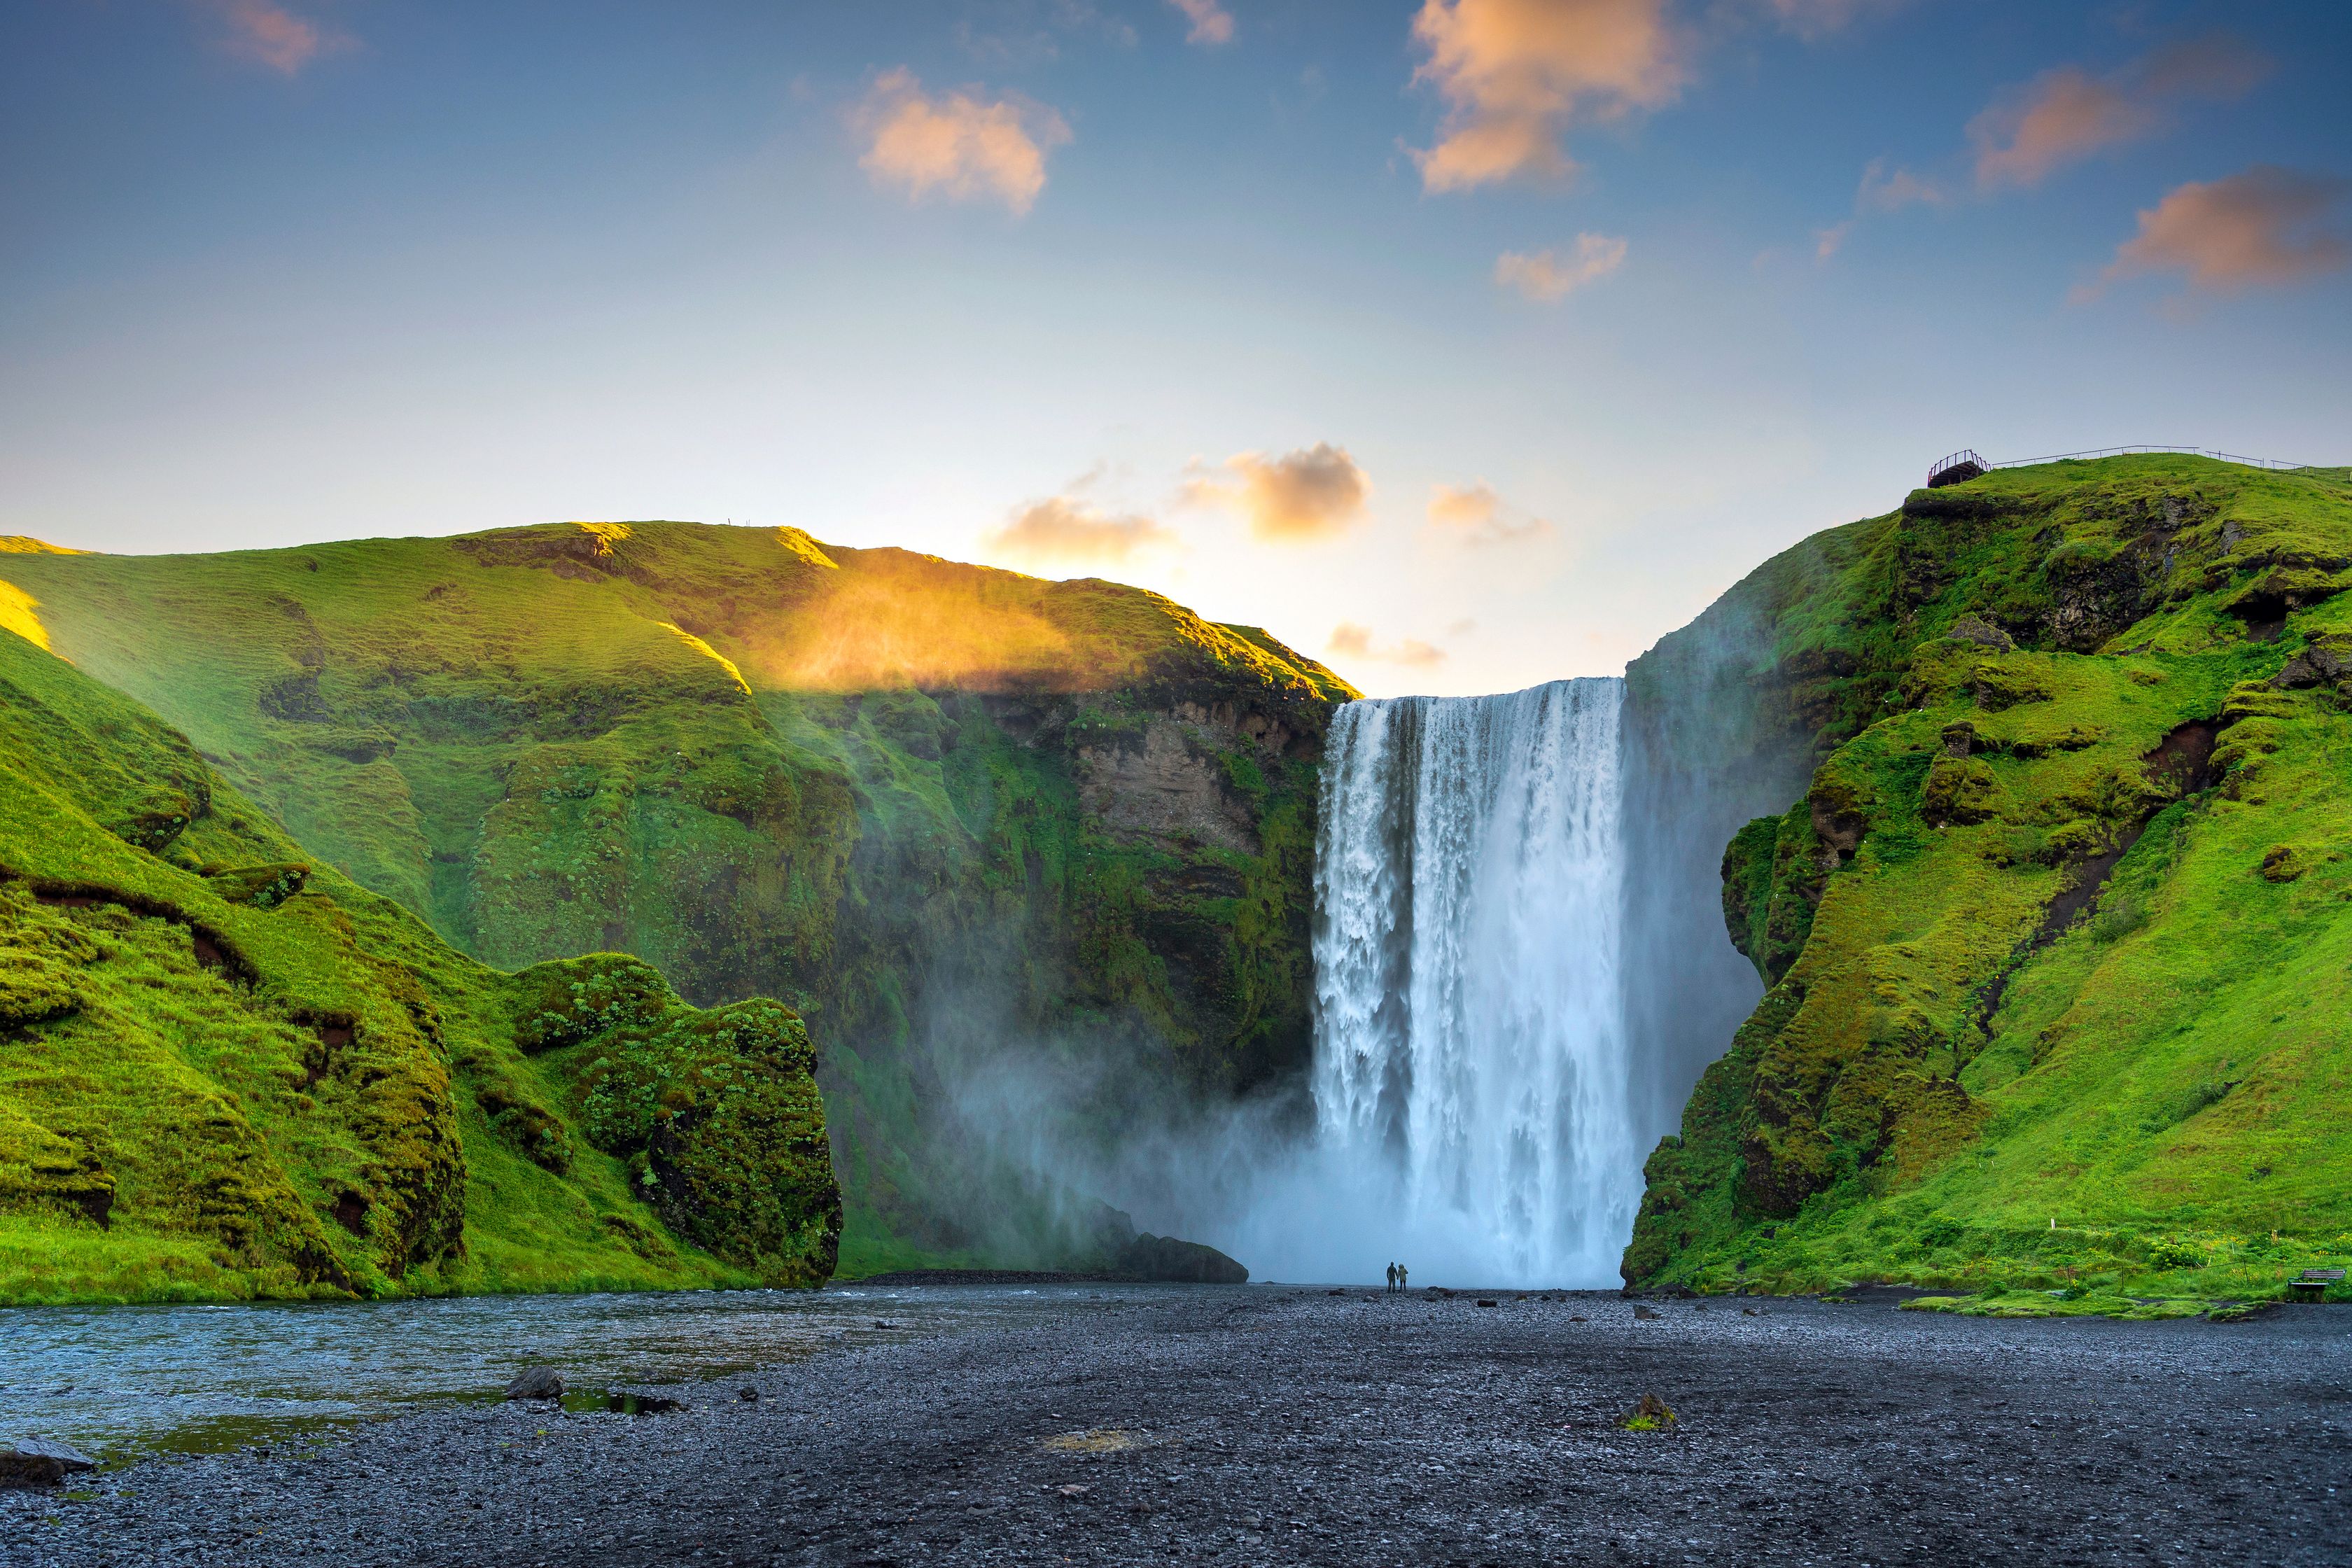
(119, 1381)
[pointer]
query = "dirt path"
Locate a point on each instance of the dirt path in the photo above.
(1262, 1426)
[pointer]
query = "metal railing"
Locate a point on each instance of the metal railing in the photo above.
(2126, 451)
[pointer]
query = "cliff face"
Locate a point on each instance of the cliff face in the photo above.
(2055, 936)
(936, 809)
(227, 1070)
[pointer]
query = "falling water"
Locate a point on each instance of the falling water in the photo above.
(1470, 1066)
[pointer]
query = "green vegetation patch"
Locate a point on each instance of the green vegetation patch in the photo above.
(226, 1071)
(2059, 941)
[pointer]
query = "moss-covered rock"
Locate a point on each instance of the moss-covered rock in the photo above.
(266, 1082)
(900, 793)
(2079, 889)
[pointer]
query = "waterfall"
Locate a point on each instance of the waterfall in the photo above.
(1470, 1074)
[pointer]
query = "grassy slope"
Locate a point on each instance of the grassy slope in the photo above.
(769, 767)
(226, 1072)
(1949, 1085)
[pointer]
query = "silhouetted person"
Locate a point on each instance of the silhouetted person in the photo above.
(1393, 1285)
(1400, 1268)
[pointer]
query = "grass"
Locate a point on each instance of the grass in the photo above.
(228, 1071)
(855, 781)
(2137, 1110)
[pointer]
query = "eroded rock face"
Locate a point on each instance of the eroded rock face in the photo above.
(1169, 787)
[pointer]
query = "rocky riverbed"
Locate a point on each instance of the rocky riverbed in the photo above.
(1270, 1425)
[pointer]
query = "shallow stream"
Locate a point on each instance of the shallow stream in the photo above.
(118, 1382)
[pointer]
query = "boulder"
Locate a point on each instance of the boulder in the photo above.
(36, 1462)
(537, 1382)
(1165, 1258)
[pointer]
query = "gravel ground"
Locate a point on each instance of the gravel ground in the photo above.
(1265, 1425)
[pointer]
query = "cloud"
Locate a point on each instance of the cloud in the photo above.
(959, 144)
(1548, 275)
(1349, 641)
(1516, 73)
(1211, 23)
(1812, 18)
(1316, 492)
(1891, 190)
(1826, 241)
(2064, 116)
(270, 34)
(1065, 528)
(1475, 515)
(2259, 227)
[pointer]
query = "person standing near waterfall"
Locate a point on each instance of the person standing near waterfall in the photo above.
(1392, 1280)
(1400, 1279)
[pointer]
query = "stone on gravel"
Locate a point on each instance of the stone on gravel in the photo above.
(537, 1382)
(37, 1462)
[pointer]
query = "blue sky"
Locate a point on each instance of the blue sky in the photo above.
(1468, 343)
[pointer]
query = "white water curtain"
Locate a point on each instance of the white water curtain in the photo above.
(1470, 1072)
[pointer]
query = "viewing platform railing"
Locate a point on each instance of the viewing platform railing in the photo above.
(1963, 465)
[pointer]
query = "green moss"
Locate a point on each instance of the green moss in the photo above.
(857, 781)
(226, 1072)
(2064, 1017)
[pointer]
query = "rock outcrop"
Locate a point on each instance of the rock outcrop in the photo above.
(2073, 850)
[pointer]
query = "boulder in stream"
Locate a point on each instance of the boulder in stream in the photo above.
(537, 1382)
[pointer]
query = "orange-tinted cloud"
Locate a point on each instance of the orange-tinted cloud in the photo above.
(1316, 492)
(1474, 514)
(270, 34)
(2264, 226)
(1211, 23)
(1516, 73)
(1548, 275)
(1063, 528)
(1349, 641)
(2064, 116)
(960, 145)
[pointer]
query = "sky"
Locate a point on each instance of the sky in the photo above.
(1462, 343)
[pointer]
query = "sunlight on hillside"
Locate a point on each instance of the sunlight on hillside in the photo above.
(894, 619)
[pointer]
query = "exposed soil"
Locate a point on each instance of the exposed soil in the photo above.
(1262, 1424)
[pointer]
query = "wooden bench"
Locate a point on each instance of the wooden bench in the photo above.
(2311, 1285)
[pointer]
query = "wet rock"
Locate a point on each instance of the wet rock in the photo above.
(752, 1395)
(1644, 1312)
(37, 1462)
(1164, 1259)
(537, 1382)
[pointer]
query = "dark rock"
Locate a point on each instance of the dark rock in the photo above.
(2326, 660)
(537, 1382)
(752, 1395)
(1166, 1259)
(1642, 1312)
(1976, 629)
(37, 1462)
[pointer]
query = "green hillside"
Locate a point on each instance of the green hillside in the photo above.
(2058, 939)
(932, 807)
(227, 1070)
